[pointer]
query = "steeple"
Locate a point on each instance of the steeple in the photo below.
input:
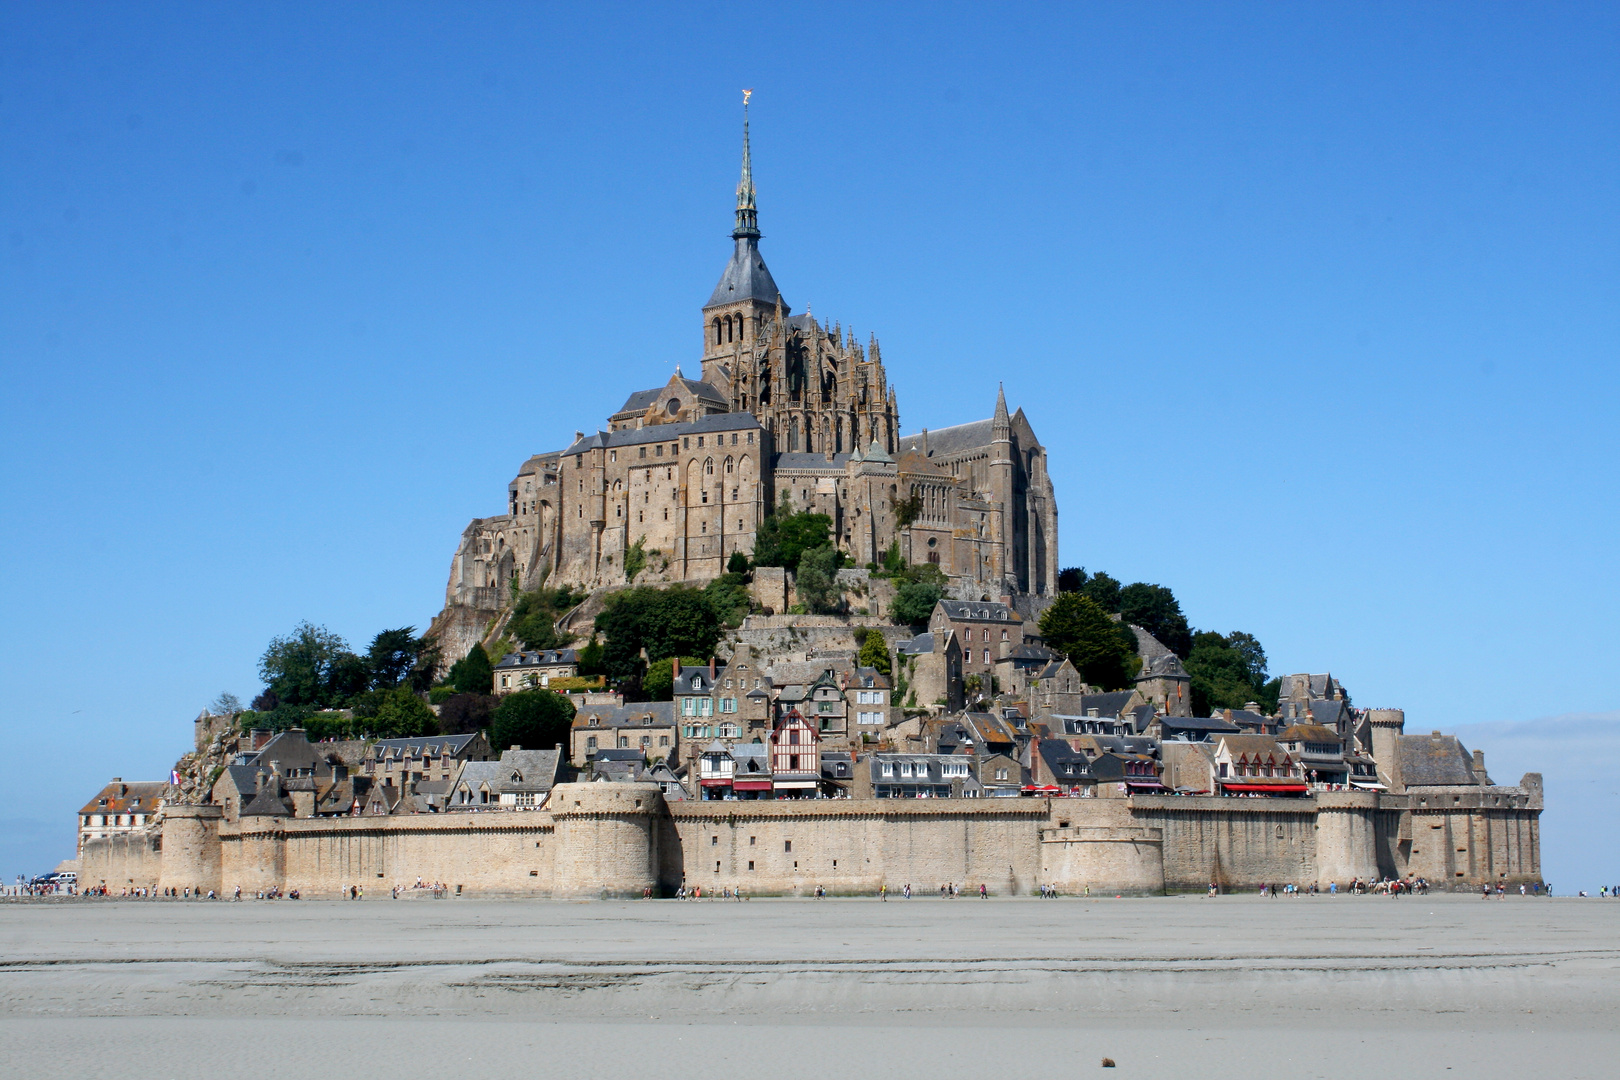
(747, 213)
(745, 277)
(1000, 425)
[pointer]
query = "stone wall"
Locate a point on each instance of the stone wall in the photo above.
(124, 860)
(597, 840)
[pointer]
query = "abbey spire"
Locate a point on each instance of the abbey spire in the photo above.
(741, 305)
(747, 213)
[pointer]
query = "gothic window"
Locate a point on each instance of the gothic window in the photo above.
(729, 464)
(717, 331)
(708, 466)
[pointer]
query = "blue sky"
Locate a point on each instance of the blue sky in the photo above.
(1314, 308)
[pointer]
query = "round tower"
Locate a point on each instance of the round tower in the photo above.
(607, 838)
(190, 852)
(1387, 727)
(1346, 844)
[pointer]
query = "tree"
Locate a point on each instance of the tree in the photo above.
(1155, 609)
(1228, 671)
(727, 597)
(403, 715)
(462, 714)
(914, 602)
(817, 579)
(659, 682)
(473, 674)
(1104, 589)
(226, 704)
(1070, 578)
(311, 666)
(1101, 649)
(783, 537)
(875, 652)
(532, 719)
(677, 621)
(907, 510)
(535, 615)
(737, 564)
(391, 656)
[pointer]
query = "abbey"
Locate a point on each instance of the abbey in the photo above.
(785, 411)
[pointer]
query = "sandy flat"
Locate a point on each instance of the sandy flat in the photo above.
(1238, 987)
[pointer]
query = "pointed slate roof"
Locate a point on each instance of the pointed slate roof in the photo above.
(266, 804)
(745, 277)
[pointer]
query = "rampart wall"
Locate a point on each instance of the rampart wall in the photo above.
(597, 840)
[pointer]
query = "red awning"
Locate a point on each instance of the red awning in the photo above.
(1267, 789)
(1153, 785)
(717, 781)
(751, 785)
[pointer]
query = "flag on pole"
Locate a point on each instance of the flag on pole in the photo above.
(174, 777)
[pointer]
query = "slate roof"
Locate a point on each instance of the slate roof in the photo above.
(642, 400)
(267, 804)
(978, 610)
(544, 656)
(948, 441)
(1196, 725)
(436, 745)
(1107, 704)
(630, 714)
(745, 277)
(703, 425)
(535, 770)
(922, 643)
(1435, 761)
(701, 676)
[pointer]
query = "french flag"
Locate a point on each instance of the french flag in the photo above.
(174, 777)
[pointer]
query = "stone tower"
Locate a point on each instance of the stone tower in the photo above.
(1388, 725)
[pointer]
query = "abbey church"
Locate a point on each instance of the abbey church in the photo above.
(785, 411)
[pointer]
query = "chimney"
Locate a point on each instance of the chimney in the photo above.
(118, 779)
(1479, 761)
(675, 669)
(711, 671)
(925, 442)
(515, 746)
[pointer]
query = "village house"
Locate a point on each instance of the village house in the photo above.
(121, 808)
(986, 630)
(646, 726)
(795, 757)
(922, 776)
(1256, 765)
(534, 670)
(396, 762)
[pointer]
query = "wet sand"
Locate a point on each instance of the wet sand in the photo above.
(1183, 986)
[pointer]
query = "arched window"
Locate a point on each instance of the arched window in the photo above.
(708, 466)
(717, 331)
(728, 464)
